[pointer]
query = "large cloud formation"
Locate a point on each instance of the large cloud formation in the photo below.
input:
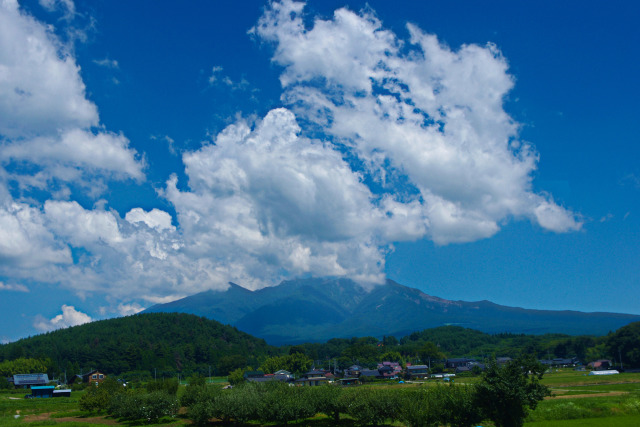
(379, 140)
(415, 110)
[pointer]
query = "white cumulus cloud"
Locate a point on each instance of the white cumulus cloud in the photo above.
(45, 118)
(414, 110)
(69, 317)
(380, 140)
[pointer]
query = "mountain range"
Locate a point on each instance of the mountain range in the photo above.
(307, 310)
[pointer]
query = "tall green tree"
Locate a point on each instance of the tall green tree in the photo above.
(506, 393)
(625, 344)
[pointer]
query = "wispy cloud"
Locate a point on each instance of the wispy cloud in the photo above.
(170, 142)
(631, 179)
(106, 62)
(13, 287)
(218, 77)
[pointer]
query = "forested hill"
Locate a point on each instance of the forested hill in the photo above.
(167, 342)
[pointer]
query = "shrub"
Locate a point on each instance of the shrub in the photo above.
(236, 377)
(125, 405)
(326, 399)
(201, 412)
(143, 406)
(169, 385)
(280, 403)
(97, 399)
(419, 408)
(158, 404)
(240, 404)
(371, 406)
(4, 384)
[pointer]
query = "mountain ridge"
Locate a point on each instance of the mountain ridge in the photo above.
(318, 309)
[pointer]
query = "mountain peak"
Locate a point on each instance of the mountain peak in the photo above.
(317, 309)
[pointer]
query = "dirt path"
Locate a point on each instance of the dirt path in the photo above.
(47, 416)
(577, 396)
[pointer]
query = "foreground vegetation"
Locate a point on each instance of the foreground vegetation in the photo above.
(174, 346)
(579, 401)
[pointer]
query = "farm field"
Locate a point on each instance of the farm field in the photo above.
(578, 400)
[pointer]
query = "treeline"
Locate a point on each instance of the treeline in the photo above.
(167, 344)
(454, 341)
(156, 343)
(504, 395)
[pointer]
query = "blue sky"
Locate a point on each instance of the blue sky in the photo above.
(151, 150)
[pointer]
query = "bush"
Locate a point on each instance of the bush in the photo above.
(97, 399)
(326, 399)
(371, 406)
(420, 408)
(143, 406)
(236, 377)
(280, 403)
(125, 405)
(169, 385)
(4, 384)
(241, 404)
(201, 412)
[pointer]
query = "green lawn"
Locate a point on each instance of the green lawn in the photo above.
(617, 421)
(569, 377)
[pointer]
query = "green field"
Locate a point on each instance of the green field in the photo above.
(578, 400)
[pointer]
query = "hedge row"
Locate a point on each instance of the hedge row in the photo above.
(278, 403)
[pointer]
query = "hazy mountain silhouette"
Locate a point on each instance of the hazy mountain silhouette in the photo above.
(306, 310)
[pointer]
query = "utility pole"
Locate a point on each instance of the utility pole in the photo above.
(620, 357)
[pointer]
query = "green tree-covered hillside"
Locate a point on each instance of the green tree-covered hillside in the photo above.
(171, 342)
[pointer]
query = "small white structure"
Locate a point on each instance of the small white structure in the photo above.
(607, 372)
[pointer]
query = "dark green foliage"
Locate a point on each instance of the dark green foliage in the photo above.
(236, 377)
(506, 393)
(280, 403)
(149, 407)
(240, 404)
(169, 385)
(452, 341)
(372, 406)
(166, 342)
(625, 344)
(97, 398)
(202, 411)
(197, 380)
(296, 363)
(327, 399)
(461, 405)
(4, 384)
(421, 408)
(441, 405)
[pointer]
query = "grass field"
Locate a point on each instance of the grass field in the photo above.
(617, 421)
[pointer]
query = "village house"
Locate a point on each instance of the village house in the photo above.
(600, 365)
(417, 371)
(457, 362)
(312, 378)
(29, 380)
(94, 376)
(353, 371)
